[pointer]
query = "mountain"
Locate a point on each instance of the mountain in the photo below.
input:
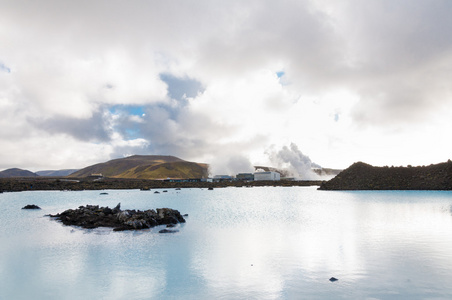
(362, 176)
(15, 172)
(146, 167)
(56, 173)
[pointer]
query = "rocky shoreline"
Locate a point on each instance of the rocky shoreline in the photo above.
(79, 184)
(93, 216)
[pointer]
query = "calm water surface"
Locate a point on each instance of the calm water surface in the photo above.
(238, 243)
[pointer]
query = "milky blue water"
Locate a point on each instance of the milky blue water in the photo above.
(237, 243)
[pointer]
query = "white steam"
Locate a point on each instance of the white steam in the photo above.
(230, 165)
(294, 161)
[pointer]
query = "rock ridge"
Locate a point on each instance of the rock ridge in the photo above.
(362, 176)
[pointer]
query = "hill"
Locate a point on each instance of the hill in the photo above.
(15, 172)
(56, 173)
(361, 176)
(146, 167)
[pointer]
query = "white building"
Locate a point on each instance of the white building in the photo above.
(267, 176)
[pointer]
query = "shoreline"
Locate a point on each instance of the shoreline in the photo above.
(79, 184)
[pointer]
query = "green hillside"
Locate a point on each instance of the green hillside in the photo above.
(146, 167)
(181, 169)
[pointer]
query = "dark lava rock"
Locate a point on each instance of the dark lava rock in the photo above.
(186, 215)
(210, 189)
(93, 216)
(156, 192)
(31, 206)
(168, 231)
(103, 194)
(333, 279)
(361, 176)
(116, 209)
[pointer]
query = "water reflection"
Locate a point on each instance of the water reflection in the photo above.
(260, 243)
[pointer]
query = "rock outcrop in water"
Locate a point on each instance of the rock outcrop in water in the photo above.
(361, 176)
(93, 216)
(333, 279)
(31, 206)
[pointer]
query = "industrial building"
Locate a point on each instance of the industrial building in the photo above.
(245, 176)
(259, 176)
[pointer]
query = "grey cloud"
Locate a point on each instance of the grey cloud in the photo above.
(92, 129)
(175, 130)
(178, 88)
(401, 52)
(398, 34)
(263, 32)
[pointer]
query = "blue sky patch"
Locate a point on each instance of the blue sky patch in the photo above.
(4, 68)
(135, 110)
(280, 74)
(132, 133)
(336, 117)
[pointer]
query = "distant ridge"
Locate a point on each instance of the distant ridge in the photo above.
(362, 176)
(56, 173)
(15, 172)
(146, 167)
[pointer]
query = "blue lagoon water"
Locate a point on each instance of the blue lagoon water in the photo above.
(237, 243)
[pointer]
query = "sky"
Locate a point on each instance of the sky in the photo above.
(229, 83)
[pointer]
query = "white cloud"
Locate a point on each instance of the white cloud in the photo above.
(362, 80)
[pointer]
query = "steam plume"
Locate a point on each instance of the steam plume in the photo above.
(299, 165)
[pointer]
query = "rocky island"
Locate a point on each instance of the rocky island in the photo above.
(93, 216)
(362, 176)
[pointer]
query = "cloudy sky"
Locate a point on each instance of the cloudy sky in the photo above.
(231, 83)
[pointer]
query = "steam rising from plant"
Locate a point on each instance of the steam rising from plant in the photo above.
(292, 159)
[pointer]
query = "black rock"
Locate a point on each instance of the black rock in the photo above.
(186, 215)
(156, 192)
(103, 194)
(333, 279)
(210, 189)
(115, 210)
(31, 206)
(93, 216)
